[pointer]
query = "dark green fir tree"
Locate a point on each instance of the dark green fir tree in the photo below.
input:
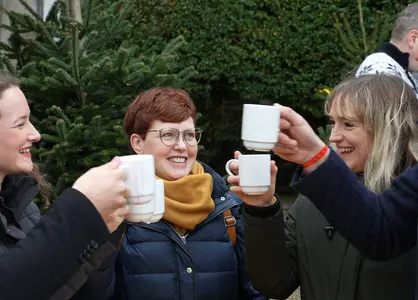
(79, 74)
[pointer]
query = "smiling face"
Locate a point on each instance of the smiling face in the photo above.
(350, 137)
(17, 134)
(171, 162)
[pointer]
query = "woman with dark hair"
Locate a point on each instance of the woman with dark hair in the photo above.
(19, 178)
(197, 250)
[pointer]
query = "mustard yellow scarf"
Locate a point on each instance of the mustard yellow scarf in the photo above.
(188, 200)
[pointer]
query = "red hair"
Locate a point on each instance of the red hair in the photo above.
(163, 104)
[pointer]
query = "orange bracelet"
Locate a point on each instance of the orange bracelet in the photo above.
(316, 157)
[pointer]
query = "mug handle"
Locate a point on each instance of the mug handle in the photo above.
(228, 168)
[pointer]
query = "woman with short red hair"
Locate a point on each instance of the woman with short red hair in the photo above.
(197, 250)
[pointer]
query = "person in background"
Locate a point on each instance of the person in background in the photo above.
(399, 56)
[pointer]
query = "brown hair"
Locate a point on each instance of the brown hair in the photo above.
(8, 81)
(164, 104)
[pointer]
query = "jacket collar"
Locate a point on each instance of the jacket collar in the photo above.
(400, 57)
(220, 193)
(223, 198)
(219, 184)
(18, 191)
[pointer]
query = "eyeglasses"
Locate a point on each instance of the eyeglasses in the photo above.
(170, 136)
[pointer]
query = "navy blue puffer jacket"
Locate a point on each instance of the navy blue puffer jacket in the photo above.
(156, 263)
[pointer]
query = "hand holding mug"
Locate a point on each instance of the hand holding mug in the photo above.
(297, 142)
(263, 199)
(105, 188)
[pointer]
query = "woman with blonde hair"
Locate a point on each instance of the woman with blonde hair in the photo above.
(374, 131)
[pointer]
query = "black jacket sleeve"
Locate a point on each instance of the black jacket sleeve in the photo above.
(53, 250)
(382, 226)
(99, 271)
(272, 259)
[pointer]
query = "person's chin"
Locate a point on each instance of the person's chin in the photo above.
(178, 174)
(25, 168)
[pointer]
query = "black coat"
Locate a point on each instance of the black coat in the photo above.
(56, 257)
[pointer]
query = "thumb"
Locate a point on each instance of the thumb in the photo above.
(289, 114)
(114, 163)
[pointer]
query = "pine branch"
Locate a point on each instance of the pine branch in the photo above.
(52, 82)
(30, 65)
(8, 64)
(18, 20)
(59, 63)
(91, 72)
(85, 42)
(59, 129)
(350, 34)
(42, 48)
(343, 37)
(123, 56)
(5, 47)
(58, 111)
(48, 67)
(363, 30)
(32, 24)
(88, 13)
(174, 45)
(29, 82)
(76, 69)
(62, 74)
(50, 138)
(75, 132)
(64, 45)
(30, 10)
(48, 36)
(10, 28)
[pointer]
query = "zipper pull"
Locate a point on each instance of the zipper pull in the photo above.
(330, 231)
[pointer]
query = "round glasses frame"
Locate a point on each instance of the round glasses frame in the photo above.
(170, 141)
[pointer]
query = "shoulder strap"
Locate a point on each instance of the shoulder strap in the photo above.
(230, 223)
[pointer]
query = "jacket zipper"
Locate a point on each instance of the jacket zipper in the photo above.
(182, 237)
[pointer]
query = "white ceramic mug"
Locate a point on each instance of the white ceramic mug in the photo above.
(254, 173)
(140, 178)
(141, 212)
(260, 126)
(159, 201)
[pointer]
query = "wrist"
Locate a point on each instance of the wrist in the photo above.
(268, 203)
(309, 168)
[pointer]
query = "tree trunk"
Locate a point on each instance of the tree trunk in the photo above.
(75, 10)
